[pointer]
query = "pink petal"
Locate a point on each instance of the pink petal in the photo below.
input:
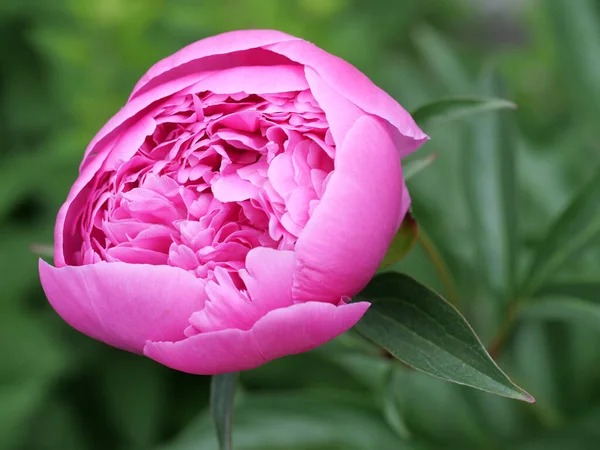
(341, 113)
(405, 205)
(356, 87)
(268, 277)
(281, 174)
(253, 80)
(284, 331)
(231, 188)
(125, 144)
(226, 306)
(123, 305)
(297, 204)
(221, 44)
(135, 255)
(351, 229)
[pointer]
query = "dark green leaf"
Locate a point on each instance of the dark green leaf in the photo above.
(412, 168)
(575, 228)
(489, 181)
(222, 393)
(403, 242)
(419, 327)
(456, 108)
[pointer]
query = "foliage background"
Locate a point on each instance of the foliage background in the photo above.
(67, 65)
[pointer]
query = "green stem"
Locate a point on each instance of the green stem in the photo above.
(222, 393)
(440, 266)
(501, 338)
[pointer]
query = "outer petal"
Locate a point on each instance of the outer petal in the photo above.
(340, 112)
(351, 229)
(356, 87)
(234, 41)
(284, 331)
(346, 79)
(123, 305)
(254, 80)
(405, 205)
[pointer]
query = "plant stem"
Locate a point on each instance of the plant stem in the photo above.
(222, 392)
(440, 266)
(499, 341)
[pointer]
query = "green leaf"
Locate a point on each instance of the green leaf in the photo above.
(412, 168)
(565, 439)
(442, 59)
(455, 108)
(581, 432)
(534, 359)
(585, 290)
(441, 267)
(222, 393)
(403, 242)
(391, 413)
(306, 420)
(358, 358)
(564, 309)
(577, 42)
(419, 327)
(489, 181)
(575, 228)
(438, 411)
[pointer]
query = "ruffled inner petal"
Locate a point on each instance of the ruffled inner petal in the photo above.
(215, 176)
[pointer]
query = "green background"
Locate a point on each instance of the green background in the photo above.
(67, 65)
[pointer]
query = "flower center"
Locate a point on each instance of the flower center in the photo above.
(220, 175)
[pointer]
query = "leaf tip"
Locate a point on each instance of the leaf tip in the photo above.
(526, 397)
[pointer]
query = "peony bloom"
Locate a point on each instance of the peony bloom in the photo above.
(225, 215)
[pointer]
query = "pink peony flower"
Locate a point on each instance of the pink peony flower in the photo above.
(225, 215)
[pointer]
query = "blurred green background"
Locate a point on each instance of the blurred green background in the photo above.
(67, 65)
